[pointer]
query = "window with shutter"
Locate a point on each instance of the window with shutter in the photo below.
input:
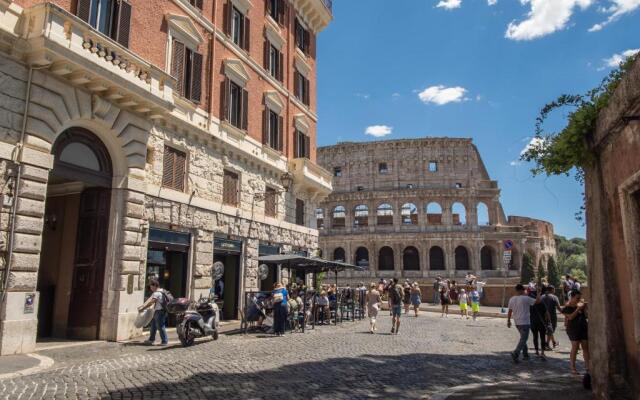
(299, 212)
(235, 105)
(230, 188)
(173, 168)
(83, 9)
(301, 87)
(302, 37)
(246, 35)
(177, 69)
(197, 4)
(237, 27)
(270, 202)
(110, 17)
(301, 144)
(196, 77)
(245, 110)
(124, 23)
(273, 129)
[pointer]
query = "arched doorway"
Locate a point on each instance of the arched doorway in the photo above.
(362, 257)
(385, 259)
(462, 259)
(436, 259)
(75, 237)
(487, 255)
(338, 254)
(411, 259)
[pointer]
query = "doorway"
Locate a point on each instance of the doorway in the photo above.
(227, 288)
(273, 274)
(75, 237)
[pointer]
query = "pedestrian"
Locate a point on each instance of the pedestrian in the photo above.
(520, 310)
(553, 304)
(567, 286)
(395, 303)
(576, 316)
(474, 296)
(464, 304)
(158, 300)
(406, 297)
(445, 300)
(416, 298)
(374, 301)
(381, 285)
(453, 292)
(540, 319)
(280, 298)
(436, 290)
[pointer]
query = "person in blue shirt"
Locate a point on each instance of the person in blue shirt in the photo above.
(280, 298)
(475, 303)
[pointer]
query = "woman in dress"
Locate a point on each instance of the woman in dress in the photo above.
(406, 297)
(280, 299)
(416, 297)
(445, 300)
(577, 322)
(373, 301)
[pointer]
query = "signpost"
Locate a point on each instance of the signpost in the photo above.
(506, 262)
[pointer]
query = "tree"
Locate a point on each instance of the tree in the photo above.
(541, 273)
(553, 272)
(579, 275)
(527, 274)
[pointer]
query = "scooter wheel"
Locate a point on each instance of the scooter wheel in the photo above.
(214, 335)
(187, 338)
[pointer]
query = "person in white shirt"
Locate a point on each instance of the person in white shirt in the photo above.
(519, 309)
(158, 301)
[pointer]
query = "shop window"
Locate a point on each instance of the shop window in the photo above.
(270, 202)
(173, 168)
(230, 188)
(299, 212)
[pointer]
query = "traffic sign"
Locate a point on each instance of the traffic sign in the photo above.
(506, 257)
(508, 244)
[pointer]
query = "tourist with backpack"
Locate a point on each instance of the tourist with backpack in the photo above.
(159, 299)
(395, 303)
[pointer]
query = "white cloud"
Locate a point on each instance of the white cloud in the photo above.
(492, 2)
(616, 59)
(441, 95)
(378, 130)
(395, 95)
(515, 163)
(545, 17)
(534, 142)
(365, 96)
(449, 4)
(617, 10)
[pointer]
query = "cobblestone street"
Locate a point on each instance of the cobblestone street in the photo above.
(429, 356)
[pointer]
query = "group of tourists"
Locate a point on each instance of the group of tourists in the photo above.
(398, 296)
(468, 295)
(534, 310)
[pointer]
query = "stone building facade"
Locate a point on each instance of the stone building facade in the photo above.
(150, 138)
(613, 240)
(419, 208)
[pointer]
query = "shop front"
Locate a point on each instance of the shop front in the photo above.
(228, 251)
(273, 271)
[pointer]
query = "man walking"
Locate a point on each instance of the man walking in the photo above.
(436, 291)
(158, 300)
(519, 309)
(395, 304)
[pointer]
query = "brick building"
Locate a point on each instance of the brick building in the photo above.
(419, 208)
(613, 240)
(150, 138)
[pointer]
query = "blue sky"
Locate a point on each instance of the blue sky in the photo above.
(408, 68)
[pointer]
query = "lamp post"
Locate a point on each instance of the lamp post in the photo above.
(286, 180)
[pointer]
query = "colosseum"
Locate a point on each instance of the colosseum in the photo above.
(421, 208)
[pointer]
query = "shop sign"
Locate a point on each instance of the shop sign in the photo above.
(29, 301)
(227, 245)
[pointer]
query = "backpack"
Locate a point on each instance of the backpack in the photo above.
(167, 298)
(395, 295)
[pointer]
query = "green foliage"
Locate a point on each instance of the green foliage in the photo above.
(572, 256)
(541, 273)
(554, 273)
(527, 274)
(319, 280)
(578, 274)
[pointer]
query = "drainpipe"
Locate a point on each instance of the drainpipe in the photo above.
(212, 53)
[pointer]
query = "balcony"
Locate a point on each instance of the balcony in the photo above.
(73, 50)
(317, 13)
(310, 177)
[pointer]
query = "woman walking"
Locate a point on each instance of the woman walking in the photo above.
(374, 301)
(406, 297)
(445, 300)
(577, 322)
(540, 320)
(280, 299)
(416, 298)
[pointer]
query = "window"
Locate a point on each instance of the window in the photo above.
(273, 60)
(237, 26)
(410, 186)
(173, 168)
(301, 145)
(320, 218)
(303, 39)
(273, 124)
(111, 17)
(230, 188)
(187, 69)
(196, 3)
(409, 214)
(235, 104)
(458, 185)
(339, 214)
(276, 9)
(301, 88)
(337, 172)
(270, 202)
(361, 216)
(299, 212)
(385, 214)
(359, 188)
(382, 168)
(433, 166)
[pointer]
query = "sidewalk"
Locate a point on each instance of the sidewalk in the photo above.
(485, 311)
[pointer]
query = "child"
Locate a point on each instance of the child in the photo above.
(464, 301)
(475, 303)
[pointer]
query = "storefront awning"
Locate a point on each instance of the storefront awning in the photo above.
(307, 264)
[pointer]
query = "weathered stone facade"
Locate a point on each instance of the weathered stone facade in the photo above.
(416, 195)
(61, 78)
(613, 238)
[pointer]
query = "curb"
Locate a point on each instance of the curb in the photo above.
(45, 363)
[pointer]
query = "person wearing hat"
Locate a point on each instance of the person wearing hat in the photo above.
(463, 300)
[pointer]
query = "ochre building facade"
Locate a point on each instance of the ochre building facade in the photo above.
(421, 208)
(150, 138)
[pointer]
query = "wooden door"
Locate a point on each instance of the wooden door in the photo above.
(89, 264)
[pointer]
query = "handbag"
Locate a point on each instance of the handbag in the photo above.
(278, 297)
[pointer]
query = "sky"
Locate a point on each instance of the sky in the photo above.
(391, 69)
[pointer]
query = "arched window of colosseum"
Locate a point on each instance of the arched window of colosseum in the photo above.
(362, 257)
(385, 214)
(339, 214)
(409, 214)
(385, 259)
(434, 214)
(459, 214)
(319, 218)
(487, 255)
(411, 259)
(483, 214)
(339, 255)
(462, 259)
(436, 259)
(361, 215)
